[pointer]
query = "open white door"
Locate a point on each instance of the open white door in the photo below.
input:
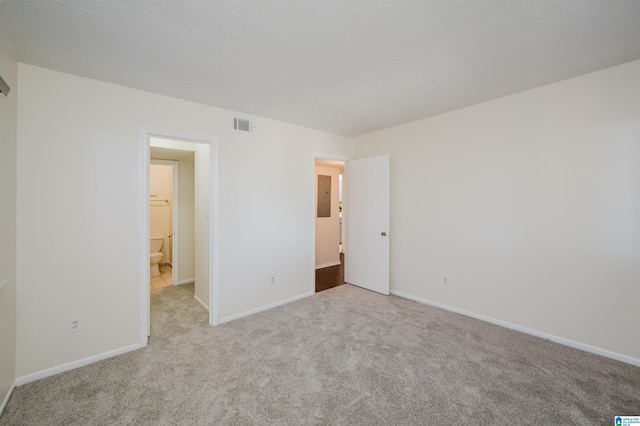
(367, 212)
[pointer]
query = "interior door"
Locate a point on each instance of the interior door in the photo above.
(367, 212)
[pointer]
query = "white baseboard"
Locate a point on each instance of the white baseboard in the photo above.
(73, 365)
(201, 302)
(326, 265)
(563, 341)
(263, 308)
(6, 398)
(189, 281)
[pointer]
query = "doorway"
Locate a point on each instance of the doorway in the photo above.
(164, 215)
(329, 222)
(205, 220)
(366, 221)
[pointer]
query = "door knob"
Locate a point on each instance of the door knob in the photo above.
(384, 234)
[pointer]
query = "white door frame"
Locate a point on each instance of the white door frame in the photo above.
(143, 222)
(345, 217)
(175, 209)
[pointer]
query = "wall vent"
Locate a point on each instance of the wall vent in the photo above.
(243, 125)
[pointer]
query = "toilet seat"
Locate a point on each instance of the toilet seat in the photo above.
(155, 255)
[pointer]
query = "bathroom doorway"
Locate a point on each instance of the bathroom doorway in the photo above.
(203, 218)
(165, 224)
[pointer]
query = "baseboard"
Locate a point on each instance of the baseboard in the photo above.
(73, 365)
(263, 308)
(6, 398)
(326, 265)
(189, 281)
(201, 302)
(563, 341)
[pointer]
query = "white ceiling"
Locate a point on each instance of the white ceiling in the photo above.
(329, 163)
(347, 67)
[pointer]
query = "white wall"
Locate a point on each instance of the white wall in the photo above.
(529, 204)
(186, 232)
(79, 145)
(8, 109)
(161, 212)
(201, 223)
(328, 228)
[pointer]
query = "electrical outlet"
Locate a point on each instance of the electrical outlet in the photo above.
(444, 281)
(74, 324)
(271, 280)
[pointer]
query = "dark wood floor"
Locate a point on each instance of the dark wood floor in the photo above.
(330, 277)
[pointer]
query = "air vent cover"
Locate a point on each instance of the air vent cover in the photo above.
(243, 125)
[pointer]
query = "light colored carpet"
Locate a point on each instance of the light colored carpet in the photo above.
(343, 356)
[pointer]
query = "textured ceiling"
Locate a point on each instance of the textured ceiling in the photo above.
(347, 67)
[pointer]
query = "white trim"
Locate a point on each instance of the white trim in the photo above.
(183, 282)
(201, 302)
(264, 308)
(178, 135)
(6, 398)
(311, 210)
(73, 365)
(214, 241)
(144, 309)
(563, 341)
(175, 222)
(326, 265)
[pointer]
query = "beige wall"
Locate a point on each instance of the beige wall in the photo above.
(8, 108)
(161, 212)
(73, 133)
(328, 228)
(186, 233)
(203, 232)
(529, 204)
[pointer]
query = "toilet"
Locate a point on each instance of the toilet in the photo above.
(155, 256)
